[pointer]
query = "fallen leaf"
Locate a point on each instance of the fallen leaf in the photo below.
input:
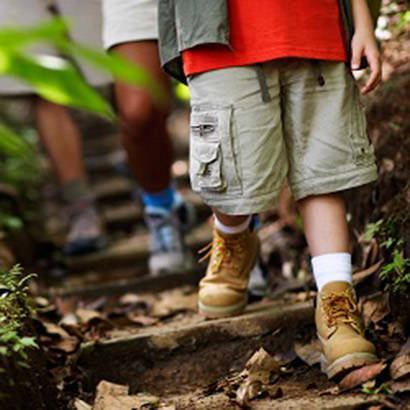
(400, 366)
(333, 391)
(175, 301)
(65, 305)
(41, 301)
(130, 299)
(142, 320)
(97, 304)
(260, 366)
(309, 352)
(401, 387)
(70, 319)
(54, 330)
(248, 391)
(375, 308)
(68, 345)
(86, 316)
(361, 375)
(256, 377)
(81, 405)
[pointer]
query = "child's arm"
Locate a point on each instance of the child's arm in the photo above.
(364, 44)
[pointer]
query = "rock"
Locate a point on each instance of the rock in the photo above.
(112, 396)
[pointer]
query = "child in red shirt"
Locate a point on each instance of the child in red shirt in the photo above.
(279, 103)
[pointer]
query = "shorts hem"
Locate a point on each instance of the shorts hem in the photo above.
(241, 205)
(115, 41)
(335, 183)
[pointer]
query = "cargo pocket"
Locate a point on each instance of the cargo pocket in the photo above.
(206, 167)
(363, 150)
(212, 151)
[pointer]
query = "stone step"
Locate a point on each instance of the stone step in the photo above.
(133, 249)
(126, 214)
(111, 285)
(294, 398)
(113, 188)
(117, 187)
(181, 358)
(102, 145)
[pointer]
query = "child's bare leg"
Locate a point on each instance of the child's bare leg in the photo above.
(230, 220)
(324, 221)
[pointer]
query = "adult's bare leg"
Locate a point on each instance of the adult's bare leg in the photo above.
(62, 141)
(142, 124)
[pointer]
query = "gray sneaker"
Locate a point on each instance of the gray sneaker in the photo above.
(86, 232)
(258, 286)
(169, 253)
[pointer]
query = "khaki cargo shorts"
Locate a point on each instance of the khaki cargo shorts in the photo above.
(242, 149)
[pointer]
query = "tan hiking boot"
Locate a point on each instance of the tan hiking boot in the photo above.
(223, 290)
(340, 331)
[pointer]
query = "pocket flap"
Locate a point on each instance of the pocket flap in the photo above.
(205, 152)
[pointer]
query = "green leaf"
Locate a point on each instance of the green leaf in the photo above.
(29, 342)
(54, 79)
(117, 66)
(17, 37)
(55, 32)
(11, 144)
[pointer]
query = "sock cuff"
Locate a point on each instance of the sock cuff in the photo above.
(162, 199)
(232, 229)
(325, 259)
(332, 267)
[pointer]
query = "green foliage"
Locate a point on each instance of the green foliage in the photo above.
(54, 79)
(382, 389)
(395, 274)
(20, 168)
(14, 310)
(58, 80)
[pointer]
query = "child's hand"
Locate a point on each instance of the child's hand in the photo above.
(364, 44)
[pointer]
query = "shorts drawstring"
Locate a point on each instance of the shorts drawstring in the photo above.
(318, 72)
(263, 84)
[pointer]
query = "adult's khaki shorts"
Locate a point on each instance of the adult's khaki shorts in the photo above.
(129, 20)
(86, 26)
(242, 148)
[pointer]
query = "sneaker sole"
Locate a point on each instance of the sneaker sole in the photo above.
(214, 312)
(348, 362)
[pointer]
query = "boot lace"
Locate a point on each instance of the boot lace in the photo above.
(225, 252)
(340, 307)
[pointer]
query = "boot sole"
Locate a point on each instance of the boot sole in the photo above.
(214, 312)
(348, 362)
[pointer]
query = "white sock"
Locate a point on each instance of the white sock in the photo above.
(332, 267)
(232, 229)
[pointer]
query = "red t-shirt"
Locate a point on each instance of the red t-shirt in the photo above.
(263, 30)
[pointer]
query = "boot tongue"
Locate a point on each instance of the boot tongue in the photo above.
(334, 287)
